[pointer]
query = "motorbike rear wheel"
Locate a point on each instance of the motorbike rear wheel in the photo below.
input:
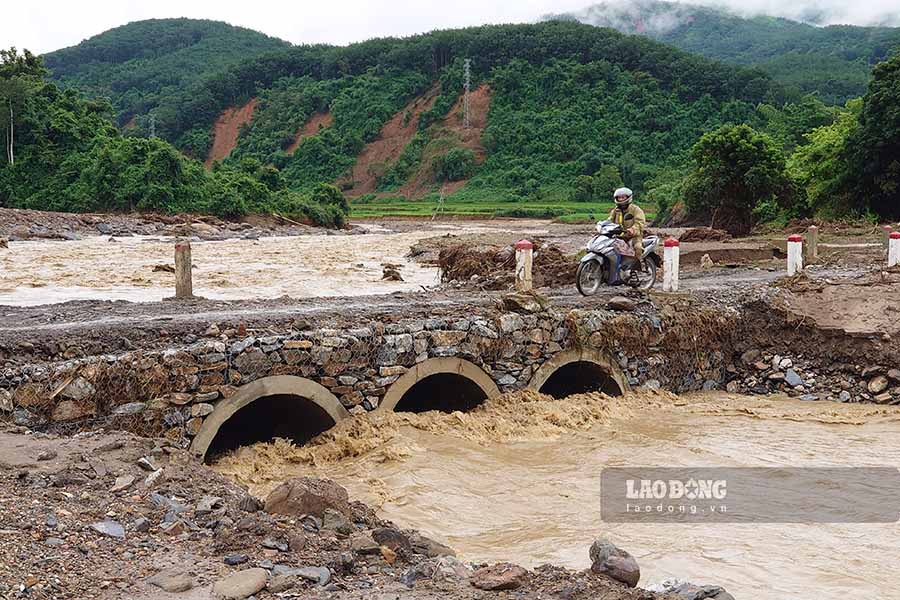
(645, 278)
(589, 277)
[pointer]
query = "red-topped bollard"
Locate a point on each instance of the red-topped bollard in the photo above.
(794, 254)
(894, 249)
(524, 255)
(671, 264)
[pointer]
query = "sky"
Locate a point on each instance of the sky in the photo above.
(51, 24)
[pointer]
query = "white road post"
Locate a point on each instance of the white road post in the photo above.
(524, 254)
(671, 261)
(794, 254)
(894, 249)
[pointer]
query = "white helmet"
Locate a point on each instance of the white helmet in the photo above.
(622, 196)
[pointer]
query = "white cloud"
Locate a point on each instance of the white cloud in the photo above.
(53, 24)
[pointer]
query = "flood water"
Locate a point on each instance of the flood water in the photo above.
(521, 482)
(94, 268)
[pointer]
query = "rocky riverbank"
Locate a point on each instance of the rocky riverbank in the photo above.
(112, 515)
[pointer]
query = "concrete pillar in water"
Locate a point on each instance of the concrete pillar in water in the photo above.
(671, 264)
(894, 249)
(812, 243)
(794, 254)
(524, 252)
(184, 287)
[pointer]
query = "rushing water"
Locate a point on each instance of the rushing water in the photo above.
(94, 268)
(521, 482)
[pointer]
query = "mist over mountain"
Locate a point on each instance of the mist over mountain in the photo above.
(833, 61)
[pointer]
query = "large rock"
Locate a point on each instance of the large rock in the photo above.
(878, 384)
(307, 496)
(429, 547)
(172, 581)
(615, 563)
(621, 303)
(689, 591)
(392, 538)
(502, 576)
(70, 410)
(240, 585)
(78, 389)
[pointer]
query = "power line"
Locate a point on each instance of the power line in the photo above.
(467, 83)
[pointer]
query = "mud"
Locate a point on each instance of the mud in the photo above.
(227, 129)
(387, 147)
(434, 472)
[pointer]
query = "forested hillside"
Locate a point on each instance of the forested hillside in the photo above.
(139, 65)
(835, 62)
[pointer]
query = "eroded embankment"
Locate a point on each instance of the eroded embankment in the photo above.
(227, 129)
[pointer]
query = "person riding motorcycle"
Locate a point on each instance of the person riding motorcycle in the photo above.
(632, 219)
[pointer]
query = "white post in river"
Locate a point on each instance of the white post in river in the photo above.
(794, 254)
(524, 252)
(184, 287)
(671, 260)
(894, 249)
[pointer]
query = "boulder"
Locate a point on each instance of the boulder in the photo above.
(524, 303)
(615, 563)
(393, 539)
(684, 590)
(878, 384)
(307, 496)
(70, 410)
(894, 374)
(109, 528)
(172, 581)
(240, 585)
(502, 576)
(792, 378)
(429, 547)
(621, 303)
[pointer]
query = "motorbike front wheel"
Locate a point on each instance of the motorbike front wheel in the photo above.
(589, 277)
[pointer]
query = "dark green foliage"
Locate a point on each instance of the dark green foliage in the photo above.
(70, 157)
(873, 148)
(140, 65)
(455, 165)
(834, 62)
(738, 177)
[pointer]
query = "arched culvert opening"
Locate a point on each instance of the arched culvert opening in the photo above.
(445, 392)
(578, 372)
(291, 417)
(444, 384)
(579, 377)
(282, 406)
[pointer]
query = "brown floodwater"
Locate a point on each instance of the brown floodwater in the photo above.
(519, 480)
(46, 271)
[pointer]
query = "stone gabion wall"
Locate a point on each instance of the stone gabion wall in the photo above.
(172, 391)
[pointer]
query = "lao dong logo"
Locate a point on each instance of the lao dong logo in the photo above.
(674, 489)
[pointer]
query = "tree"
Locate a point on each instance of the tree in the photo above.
(19, 73)
(819, 167)
(735, 170)
(873, 149)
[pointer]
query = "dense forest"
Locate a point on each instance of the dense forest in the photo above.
(834, 62)
(64, 153)
(138, 65)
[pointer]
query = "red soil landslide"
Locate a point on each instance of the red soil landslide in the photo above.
(310, 129)
(479, 106)
(389, 144)
(226, 131)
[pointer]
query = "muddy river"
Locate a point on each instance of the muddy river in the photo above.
(519, 480)
(133, 268)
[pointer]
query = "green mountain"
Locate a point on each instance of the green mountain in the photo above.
(138, 65)
(834, 62)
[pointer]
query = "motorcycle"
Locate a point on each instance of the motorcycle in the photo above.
(638, 272)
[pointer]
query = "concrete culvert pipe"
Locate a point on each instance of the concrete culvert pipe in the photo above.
(578, 372)
(444, 384)
(284, 406)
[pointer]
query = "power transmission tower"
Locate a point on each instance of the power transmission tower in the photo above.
(467, 83)
(439, 208)
(152, 126)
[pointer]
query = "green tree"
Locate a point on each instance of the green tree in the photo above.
(819, 166)
(736, 170)
(873, 149)
(455, 165)
(606, 180)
